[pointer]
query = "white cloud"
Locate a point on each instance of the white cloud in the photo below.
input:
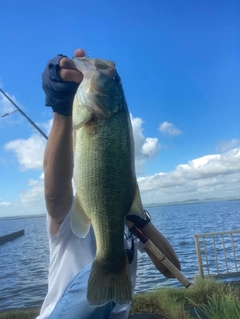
(31, 201)
(169, 129)
(24, 207)
(145, 147)
(32, 182)
(225, 145)
(150, 148)
(208, 176)
(5, 204)
(29, 152)
(34, 194)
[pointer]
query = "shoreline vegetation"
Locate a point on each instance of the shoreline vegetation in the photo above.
(206, 298)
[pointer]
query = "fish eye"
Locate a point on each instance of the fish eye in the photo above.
(116, 78)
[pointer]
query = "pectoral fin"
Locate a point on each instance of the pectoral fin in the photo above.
(80, 221)
(137, 208)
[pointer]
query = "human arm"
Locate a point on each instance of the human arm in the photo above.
(149, 230)
(58, 168)
(58, 156)
(164, 246)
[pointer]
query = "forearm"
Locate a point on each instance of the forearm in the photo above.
(58, 168)
(164, 246)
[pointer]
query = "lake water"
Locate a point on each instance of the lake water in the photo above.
(24, 261)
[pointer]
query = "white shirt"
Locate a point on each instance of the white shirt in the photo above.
(69, 254)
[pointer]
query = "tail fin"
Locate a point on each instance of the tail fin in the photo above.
(105, 284)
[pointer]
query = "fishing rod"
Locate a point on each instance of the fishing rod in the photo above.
(148, 243)
(24, 114)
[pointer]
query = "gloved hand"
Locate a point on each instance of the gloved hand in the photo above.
(138, 221)
(59, 93)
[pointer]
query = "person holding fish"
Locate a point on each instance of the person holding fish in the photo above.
(93, 255)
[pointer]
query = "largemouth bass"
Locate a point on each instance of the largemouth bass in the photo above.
(104, 175)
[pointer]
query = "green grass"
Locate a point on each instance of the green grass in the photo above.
(221, 306)
(206, 298)
(212, 298)
(20, 314)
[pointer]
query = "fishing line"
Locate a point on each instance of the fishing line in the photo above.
(24, 114)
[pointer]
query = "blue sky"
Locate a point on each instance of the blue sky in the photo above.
(180, 66)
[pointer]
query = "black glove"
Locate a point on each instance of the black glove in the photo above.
(59, 94)
(138, 221)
